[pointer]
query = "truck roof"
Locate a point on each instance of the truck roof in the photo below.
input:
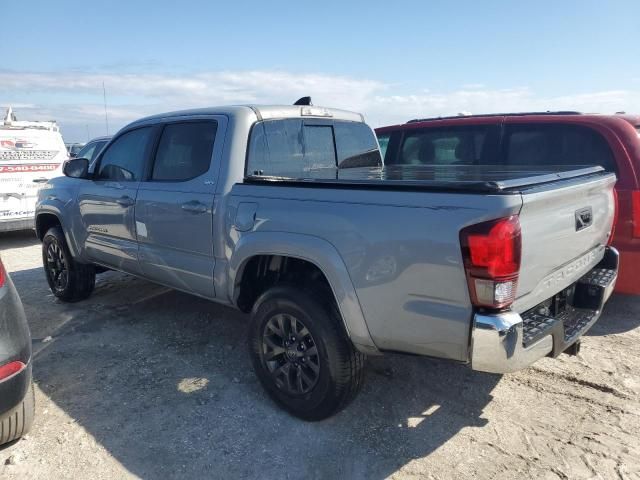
(10, 122)
(615, 121)
(513, 114)
(262, 112)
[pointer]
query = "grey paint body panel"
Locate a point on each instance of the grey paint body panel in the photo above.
(407, 275)
(110, 226)
(392, 257)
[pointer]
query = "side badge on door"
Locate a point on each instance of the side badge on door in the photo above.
(584, 218)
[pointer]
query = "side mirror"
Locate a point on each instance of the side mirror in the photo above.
(76, 168)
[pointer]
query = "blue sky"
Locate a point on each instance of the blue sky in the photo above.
(390, 60)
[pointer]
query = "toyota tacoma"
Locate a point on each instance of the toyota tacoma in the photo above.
(289, 213)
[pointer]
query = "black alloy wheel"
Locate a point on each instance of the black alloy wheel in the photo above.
(290, 354)
(56, 267)
(69, 280)
(301, 353)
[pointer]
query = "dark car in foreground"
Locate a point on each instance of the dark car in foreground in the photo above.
(539, 138)
(17, 403)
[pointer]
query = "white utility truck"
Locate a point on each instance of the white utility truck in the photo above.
(31, 153)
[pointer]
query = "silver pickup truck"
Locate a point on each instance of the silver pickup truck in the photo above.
(288, 213)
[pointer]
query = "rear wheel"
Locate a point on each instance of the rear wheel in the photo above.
(17, 421)
(69, 280)
(302, 355)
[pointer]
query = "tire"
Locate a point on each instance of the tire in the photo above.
(17, 421)
(69, 280)
(340, 367)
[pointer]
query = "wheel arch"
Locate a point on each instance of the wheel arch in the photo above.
(45, 221)
(323, 256)
(49, 217)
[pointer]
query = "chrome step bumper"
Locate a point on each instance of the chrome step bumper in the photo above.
(508, 341)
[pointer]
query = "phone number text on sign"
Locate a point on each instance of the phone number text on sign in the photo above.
(28, 168)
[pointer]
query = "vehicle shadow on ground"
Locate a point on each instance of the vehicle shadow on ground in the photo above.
(17, 239)
(162, 380)
(621, 314)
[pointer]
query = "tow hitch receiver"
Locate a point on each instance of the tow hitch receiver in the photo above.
(574, 349)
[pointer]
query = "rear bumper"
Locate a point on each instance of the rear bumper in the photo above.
(15, 345)
(508, 341)
(17, 224)
(14, 389)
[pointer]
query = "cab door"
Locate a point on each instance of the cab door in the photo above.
(174, 206)
(107, 204)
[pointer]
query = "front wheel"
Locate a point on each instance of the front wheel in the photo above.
(302, 355)
(69, 280)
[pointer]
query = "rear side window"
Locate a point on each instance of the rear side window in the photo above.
(309, 149)
(447, 146)
(184, 151)
(124, 159)
(556, 145)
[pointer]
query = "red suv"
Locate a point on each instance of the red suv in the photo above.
(547, 138)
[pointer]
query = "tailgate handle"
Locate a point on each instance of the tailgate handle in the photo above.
(40, 180)
(584, 218)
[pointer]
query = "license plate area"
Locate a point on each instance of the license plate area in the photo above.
(570, 312)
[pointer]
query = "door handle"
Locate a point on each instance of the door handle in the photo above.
(194, 207)
(125, 201)
(40, 180)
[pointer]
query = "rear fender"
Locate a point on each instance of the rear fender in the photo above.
(314, 250)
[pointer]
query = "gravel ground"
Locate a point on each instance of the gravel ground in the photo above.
(141, 381)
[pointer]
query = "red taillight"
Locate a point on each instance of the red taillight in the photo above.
(491, 253)
(615, 216)
(10, 369)
(635, 209)
(3, 274)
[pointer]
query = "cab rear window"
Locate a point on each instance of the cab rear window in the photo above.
(315, 149)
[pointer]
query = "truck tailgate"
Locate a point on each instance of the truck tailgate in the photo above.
(565, 227)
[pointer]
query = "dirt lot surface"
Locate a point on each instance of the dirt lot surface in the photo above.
(142, 381)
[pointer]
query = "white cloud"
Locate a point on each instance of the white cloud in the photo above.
(75, 98)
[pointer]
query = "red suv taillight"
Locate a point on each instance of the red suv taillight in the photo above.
(491, 252)
(3, 274)
(635, 212)
(10, 369)
(615, 217)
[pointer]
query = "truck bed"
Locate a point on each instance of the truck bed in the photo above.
(490, 179)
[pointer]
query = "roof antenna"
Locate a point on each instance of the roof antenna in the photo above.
(304, 101)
